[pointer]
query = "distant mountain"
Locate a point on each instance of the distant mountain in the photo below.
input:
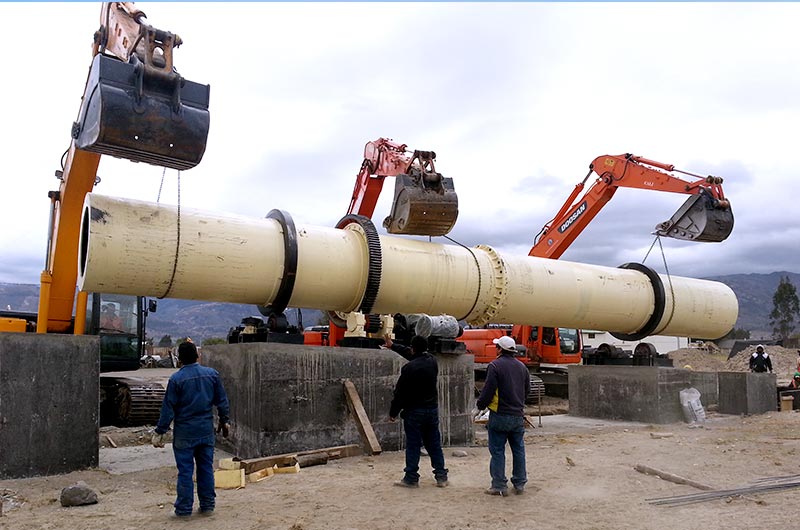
(176, 318)
(755, 292)
(204, 320)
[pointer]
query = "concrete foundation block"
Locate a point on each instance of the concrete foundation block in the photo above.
(288, 397)
(648, 394)
(49, 403)
(747, 393)
(707, 383)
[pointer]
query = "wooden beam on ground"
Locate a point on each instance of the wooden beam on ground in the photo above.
(670, 477)
(339, 451)
(251, 465)
(260, 475)
(373, 447)
(314, 459)
(287, 469)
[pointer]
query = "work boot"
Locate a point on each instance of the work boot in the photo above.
(519, 491)
(404, 484)
(441, 483)
(495, 491)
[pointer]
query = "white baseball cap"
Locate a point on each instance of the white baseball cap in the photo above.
(506, 343)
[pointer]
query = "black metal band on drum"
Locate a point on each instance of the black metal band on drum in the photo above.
(286, 288)
(659, 303)
(374, 255)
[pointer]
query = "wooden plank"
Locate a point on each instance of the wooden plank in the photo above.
(287, 469)
(670, 477)
(251, 465)
(313, 459)
(339, 451)
(260, 475)
(362, 420)
(227, 479)
(229, 463)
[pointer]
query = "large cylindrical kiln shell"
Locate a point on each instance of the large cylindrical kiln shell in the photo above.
(130, 247)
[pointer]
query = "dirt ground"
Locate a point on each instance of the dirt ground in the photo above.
(581, 476)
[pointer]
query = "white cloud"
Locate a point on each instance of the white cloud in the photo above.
(516, 99)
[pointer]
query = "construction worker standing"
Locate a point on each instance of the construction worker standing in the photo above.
(507, 385)
(760, 361)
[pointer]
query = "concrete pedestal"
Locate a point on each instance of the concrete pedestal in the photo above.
(49, 403)
(747, 393)
(648, 394)
(287, 397)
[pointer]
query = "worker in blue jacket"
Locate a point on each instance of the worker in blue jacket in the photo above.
(508, 382)
(191, 393)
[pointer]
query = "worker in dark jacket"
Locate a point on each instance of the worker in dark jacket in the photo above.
(507, 384)
(191, 393)
(416, 400)
(760, 361)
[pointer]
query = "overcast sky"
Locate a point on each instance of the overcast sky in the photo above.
(516, 99)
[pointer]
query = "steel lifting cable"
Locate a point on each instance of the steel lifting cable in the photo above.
(477, 265)
(178, 242)
(666, 269)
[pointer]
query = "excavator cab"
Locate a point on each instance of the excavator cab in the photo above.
(425, 202)
(701, 218)
(143, 110)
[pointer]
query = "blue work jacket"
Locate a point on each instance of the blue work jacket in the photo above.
(191, 393)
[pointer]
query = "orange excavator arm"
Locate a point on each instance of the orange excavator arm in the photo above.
(382, 158)
(425, 202)
(705, 217)
(135, 106)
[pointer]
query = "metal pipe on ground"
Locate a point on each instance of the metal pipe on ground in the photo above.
(147, 249)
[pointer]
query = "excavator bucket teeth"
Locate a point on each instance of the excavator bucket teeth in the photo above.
(161, 120)
(699, 219)
(420, 209)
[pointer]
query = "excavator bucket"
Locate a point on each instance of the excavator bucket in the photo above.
(161, 120)
(701, 218)
(425, 204)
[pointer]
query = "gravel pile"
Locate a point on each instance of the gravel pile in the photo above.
(784, 360)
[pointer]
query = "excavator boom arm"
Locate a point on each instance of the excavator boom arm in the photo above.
(382, 158)
(425, 202)
(135, 106)
(704, 217)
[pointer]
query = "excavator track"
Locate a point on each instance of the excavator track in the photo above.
(537, 390)
(129, 401)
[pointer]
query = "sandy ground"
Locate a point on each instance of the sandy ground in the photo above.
(581, 475)
(580, 470)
